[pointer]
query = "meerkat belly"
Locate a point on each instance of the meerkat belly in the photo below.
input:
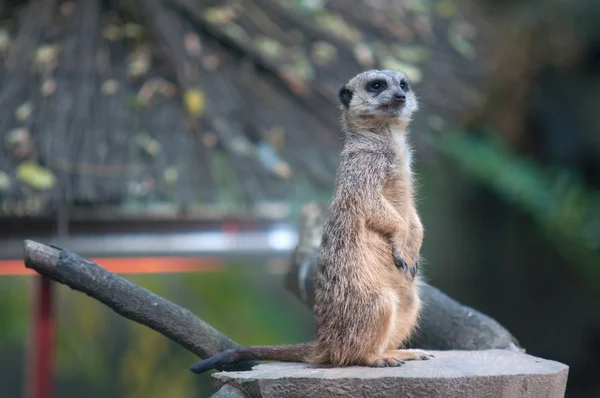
(407, 313)
(398, 293)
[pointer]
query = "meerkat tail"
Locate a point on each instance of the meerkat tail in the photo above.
(285, 353)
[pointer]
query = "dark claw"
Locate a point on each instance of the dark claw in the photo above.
(401, 264)
(413, 270)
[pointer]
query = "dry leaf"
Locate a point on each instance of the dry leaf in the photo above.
(364, 55)
(167, 89)
(236, 32)
(148, 144)
(132, 30)
(283, 170)
(139, 61)
(35, 176)
(48, 87)
(290, 76)
(19, 141)
(194, 102)
(337, 25)
(323, 53)
(23, 112)
(413, 54)
(110, 87)
(191, 41)
(146, 92)
(211, 62)
(276, 137)
(445, 8)
(304, 68)
(4, 41)
(112, 33)
(221, 15)
(4, 181)
(209, 140)
(46, 57)
(269, 47)
(412, 72)
(16, 137)
(67, 8)
(171, 175)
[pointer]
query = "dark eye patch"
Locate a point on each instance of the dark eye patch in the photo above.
(376, 86)
(404, 85)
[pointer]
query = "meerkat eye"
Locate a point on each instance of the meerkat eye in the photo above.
(376, 86)
(404, 85)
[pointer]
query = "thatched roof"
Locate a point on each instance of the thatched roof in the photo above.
(179, 105)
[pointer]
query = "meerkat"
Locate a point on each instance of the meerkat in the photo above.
(367, 285)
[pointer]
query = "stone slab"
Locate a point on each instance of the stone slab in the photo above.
(464, 374)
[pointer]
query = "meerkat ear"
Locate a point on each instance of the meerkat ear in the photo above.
(345, 96)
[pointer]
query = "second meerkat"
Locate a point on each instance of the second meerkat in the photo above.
(367, 285)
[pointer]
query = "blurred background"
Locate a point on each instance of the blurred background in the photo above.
(175, 141)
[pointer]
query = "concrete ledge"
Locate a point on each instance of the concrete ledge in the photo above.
(460, 374)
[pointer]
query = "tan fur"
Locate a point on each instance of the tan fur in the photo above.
(366, 307)
(367, 286)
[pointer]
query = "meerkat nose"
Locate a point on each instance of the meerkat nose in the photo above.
(399, 97)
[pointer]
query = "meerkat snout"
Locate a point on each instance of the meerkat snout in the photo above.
(400, 97)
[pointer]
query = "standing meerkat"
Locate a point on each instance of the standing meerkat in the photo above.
(367, 285)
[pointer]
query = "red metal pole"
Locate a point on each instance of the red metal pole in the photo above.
(40, 364)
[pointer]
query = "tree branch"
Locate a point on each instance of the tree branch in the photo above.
(129, 300)
(445, 324)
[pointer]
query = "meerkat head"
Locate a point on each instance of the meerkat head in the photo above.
(378, 96)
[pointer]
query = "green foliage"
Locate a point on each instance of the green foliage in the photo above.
(14, 309)
(565, 209)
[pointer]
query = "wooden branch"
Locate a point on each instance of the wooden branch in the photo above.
(445, 325)
(129, 300)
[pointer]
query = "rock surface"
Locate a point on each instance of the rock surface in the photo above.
(464, 374)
